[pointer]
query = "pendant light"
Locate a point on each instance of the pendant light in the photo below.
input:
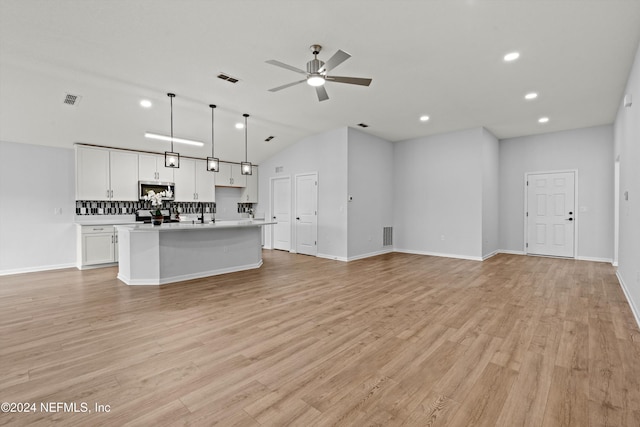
(213, 163)
(171, 159)
(245, 167)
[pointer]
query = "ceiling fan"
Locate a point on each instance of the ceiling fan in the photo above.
(316, 74)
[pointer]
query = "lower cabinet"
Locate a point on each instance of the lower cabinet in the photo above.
(97, 244)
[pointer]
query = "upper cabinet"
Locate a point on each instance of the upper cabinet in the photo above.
(151, 168)
(194, 183)
(113, 175)
(250, 192)
(106, 174)
(230, 176)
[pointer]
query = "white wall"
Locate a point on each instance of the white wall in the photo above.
(326, 154)
(35, 180)
(627, 147)
(588, 150)
(371, 185)
(438, 194)
(490, 193)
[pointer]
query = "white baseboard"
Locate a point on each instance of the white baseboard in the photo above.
(634, 309)
(595, 259)
(508, 251)
(370, 254)
(438, 254)
(184, 277)
(36, 269)
(333, 257)
(486, 257)
(91, 267)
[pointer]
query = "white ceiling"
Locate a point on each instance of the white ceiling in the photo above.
(440, 58)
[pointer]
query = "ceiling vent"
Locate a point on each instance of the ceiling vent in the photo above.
(269, 138)
(227, 77)
(363, 125)
(70, 99)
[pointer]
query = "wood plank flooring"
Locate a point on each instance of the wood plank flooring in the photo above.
(393, 340)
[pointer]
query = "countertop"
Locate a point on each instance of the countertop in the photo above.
(188, 225)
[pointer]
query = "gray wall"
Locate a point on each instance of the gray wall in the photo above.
(588, 150)
(490, 194)
(35, 180)
(371, 185)
(325, 153)
(438, 194)
(627, 148)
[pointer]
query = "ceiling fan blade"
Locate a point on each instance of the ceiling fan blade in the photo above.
(349, 80)
(286, 66)
(275, 89)
(338, 58)
(322, 93)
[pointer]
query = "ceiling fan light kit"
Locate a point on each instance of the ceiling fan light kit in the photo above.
(317, 72)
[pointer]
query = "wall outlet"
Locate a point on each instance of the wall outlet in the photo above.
(57, 211)
(442, 237)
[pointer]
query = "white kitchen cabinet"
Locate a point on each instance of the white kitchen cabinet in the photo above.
(151, 168)
(230, 176)
(103, 174)
(92, 174)
(185, 180)
(194, 183)
(205, 183)
(123, 174)
(97, 245)
(250, 192)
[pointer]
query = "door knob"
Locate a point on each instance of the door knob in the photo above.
(298, 218)
(274, 217)
(569, 219)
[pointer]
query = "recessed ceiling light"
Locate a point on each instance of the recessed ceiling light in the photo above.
(424, 118)
(511, 56)
(531, 95)
(239, 125)
(543, 119)
(145, 103)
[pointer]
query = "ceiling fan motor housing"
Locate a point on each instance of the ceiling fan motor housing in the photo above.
(314, 65)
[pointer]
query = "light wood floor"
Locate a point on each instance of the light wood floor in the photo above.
(393, 340)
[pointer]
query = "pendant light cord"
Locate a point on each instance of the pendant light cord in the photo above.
(245, 136)
(213, 107)
(171, 96)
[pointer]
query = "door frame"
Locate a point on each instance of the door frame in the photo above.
(294, 204)
(272, 179)
(576, 208)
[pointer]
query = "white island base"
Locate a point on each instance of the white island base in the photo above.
(157, 255)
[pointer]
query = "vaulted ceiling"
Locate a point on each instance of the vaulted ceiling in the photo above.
(443, 59)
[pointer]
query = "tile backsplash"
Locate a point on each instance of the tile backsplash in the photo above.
(92, 207)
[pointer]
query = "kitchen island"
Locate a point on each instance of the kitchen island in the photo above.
(174, 252)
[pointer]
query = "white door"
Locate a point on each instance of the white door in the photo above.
(281, 213)
(551, 214)
(306, 205)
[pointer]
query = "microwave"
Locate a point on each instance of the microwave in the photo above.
(145, 186)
